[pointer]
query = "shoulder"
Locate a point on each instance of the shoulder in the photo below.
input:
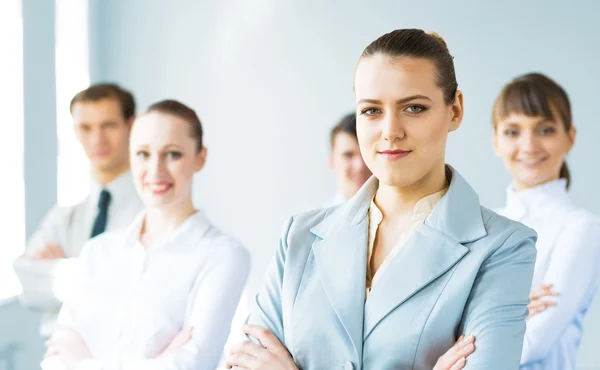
(579, 229)
(504, 234)
(302, 223)
(63, 213)
(103, 244)
(226, 249)
(582, 219)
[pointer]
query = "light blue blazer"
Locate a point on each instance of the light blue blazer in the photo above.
(464, 270)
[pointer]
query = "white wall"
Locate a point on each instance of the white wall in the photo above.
(269, 78)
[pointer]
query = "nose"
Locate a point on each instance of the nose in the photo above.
(98, 136)
(156, 166)
(528, 142)
(392, 128)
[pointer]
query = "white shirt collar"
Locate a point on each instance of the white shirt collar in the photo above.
(120, 188)
(194, 226)
(552, 192)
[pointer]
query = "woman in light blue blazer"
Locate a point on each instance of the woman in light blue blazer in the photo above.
(391, 278)
(533, 132)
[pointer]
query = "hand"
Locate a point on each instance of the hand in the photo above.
(69, 346)
(272, 355)
(178, 341)
(456, 357)
(48, 252)
(538, 304)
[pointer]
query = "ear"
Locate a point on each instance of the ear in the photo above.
(457, 111)
(331, 161)
(200, 159)
(495, 143)
(571, 134)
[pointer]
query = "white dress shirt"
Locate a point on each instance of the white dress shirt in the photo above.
(134, 299)
(46, 281)
(568, 256)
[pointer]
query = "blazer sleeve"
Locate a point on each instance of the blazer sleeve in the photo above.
(266, 310)
(497, 305)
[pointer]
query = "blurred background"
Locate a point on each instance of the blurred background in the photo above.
(269, 79)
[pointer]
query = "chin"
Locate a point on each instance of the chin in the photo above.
(396, 179)
(156, 202)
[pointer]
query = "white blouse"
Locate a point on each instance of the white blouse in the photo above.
(568, 256)
(133, 299)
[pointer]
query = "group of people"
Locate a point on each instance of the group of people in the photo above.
(403, 269)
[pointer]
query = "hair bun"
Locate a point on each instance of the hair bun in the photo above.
(436, 36)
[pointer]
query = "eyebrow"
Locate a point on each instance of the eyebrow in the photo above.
(537, 123)
(399, 101)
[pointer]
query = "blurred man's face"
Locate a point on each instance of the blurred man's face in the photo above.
(347, 164)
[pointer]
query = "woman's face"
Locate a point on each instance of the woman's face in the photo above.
(532, 148)
(164, 159)
(402, 118)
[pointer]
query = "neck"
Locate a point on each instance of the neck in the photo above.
(348, 192)
(105, 177)
(161, 221)
(518, 186)
(394, 201)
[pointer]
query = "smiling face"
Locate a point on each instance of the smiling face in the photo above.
(533, 130)
(164, 158)
(532, 148)
(403, 120)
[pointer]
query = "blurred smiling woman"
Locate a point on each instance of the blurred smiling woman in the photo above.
(160, 294)
(533, 132)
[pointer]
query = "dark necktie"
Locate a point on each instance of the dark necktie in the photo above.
(100, 221)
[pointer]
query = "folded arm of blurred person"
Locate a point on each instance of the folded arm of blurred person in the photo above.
(43, 261)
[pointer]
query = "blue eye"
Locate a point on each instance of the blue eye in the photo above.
(415, 109)
(511, 132)
(370, 111)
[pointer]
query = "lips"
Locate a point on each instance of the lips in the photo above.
(531, 162)
(159, 188)
(101, 152)
(392, 154)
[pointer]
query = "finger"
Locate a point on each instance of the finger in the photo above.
(56, 251)
(266, 338)
(537, 295)
(467, 350)
(541, 289)
(242, 360)
(250, 348)
(180, 340)
(456, 347)
(454, 356)
(42, 254)
(459, 364)
(460, 343)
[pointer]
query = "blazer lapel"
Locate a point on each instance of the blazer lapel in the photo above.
(426, 255)
(340, 251)
(436, 246)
